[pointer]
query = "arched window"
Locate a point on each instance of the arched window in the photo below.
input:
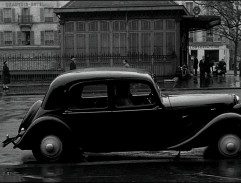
(158, 37)
(104, 37)
(93, 37)
(145, 37)
(170, 37)
(119, 37)
(134, 36)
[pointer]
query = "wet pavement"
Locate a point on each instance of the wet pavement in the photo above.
(228, 81)
(127, 171)
(195, 82)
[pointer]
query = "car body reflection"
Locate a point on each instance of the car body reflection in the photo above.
(129, 170)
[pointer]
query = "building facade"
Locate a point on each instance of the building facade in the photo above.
(206, 42)
(150, 34)
(29, 28)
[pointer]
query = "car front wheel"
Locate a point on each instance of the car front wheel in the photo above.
(229, 146)
(50, 148)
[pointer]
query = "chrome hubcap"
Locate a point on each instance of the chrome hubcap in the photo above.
(51, 146)
(229, 145)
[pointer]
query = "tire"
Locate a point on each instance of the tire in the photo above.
(228, 146)
(50, 149)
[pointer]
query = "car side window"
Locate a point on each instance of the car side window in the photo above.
(141, 94)
(133, 94)
(89, 96)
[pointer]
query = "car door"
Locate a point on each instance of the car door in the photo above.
(139, 124)
(88, 115)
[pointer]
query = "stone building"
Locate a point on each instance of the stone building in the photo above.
(29, 28)
(151, 34)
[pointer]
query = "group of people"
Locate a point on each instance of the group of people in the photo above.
(206, 66)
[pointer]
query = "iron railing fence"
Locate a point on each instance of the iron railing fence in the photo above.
(153, 63)
(46, 68)
(39, 68)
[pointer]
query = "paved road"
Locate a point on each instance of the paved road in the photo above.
(20, 166)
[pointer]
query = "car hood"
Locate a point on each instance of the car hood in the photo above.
(192, 100)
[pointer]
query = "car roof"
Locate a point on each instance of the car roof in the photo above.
(101, 73)
(57, 87)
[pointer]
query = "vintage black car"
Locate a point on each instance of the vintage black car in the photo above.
(123, 109)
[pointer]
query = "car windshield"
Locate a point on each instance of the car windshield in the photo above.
(156, 83)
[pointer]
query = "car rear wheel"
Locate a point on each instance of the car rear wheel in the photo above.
(50, 148)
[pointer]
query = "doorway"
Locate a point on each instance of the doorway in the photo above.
(213, 55)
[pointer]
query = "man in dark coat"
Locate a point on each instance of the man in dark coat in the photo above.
(72, 65)
(195, 65)
(5, 75)
(202, 67)
(207, 66)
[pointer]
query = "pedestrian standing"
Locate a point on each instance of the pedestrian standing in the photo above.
(125, 63)
(195, 65)
(207, 66)
(5, 75)
(72, 65)
(202, 67)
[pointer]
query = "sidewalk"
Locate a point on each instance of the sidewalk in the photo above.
(229, 81)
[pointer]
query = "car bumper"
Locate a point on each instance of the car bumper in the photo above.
(13, 140)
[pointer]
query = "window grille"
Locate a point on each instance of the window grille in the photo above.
(69, 27)
(145, 25)
(170, 24)
(49, 19)
(7, 15)
(158, 25)
(104, 26)
(158, 43)
(93, 26)
(133, 25)
(49, 15)
(80, 26)
(8, 38)
(49, 38)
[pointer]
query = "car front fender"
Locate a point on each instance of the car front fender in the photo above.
(221, 123)
(40, 126)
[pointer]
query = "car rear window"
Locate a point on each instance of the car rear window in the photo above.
(88, 96)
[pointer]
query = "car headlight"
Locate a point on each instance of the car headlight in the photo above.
(236, 99)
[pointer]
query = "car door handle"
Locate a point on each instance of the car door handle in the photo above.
(66, 112)
(156, 108)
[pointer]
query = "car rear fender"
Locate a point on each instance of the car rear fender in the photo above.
(41, 126)
(227, 122)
